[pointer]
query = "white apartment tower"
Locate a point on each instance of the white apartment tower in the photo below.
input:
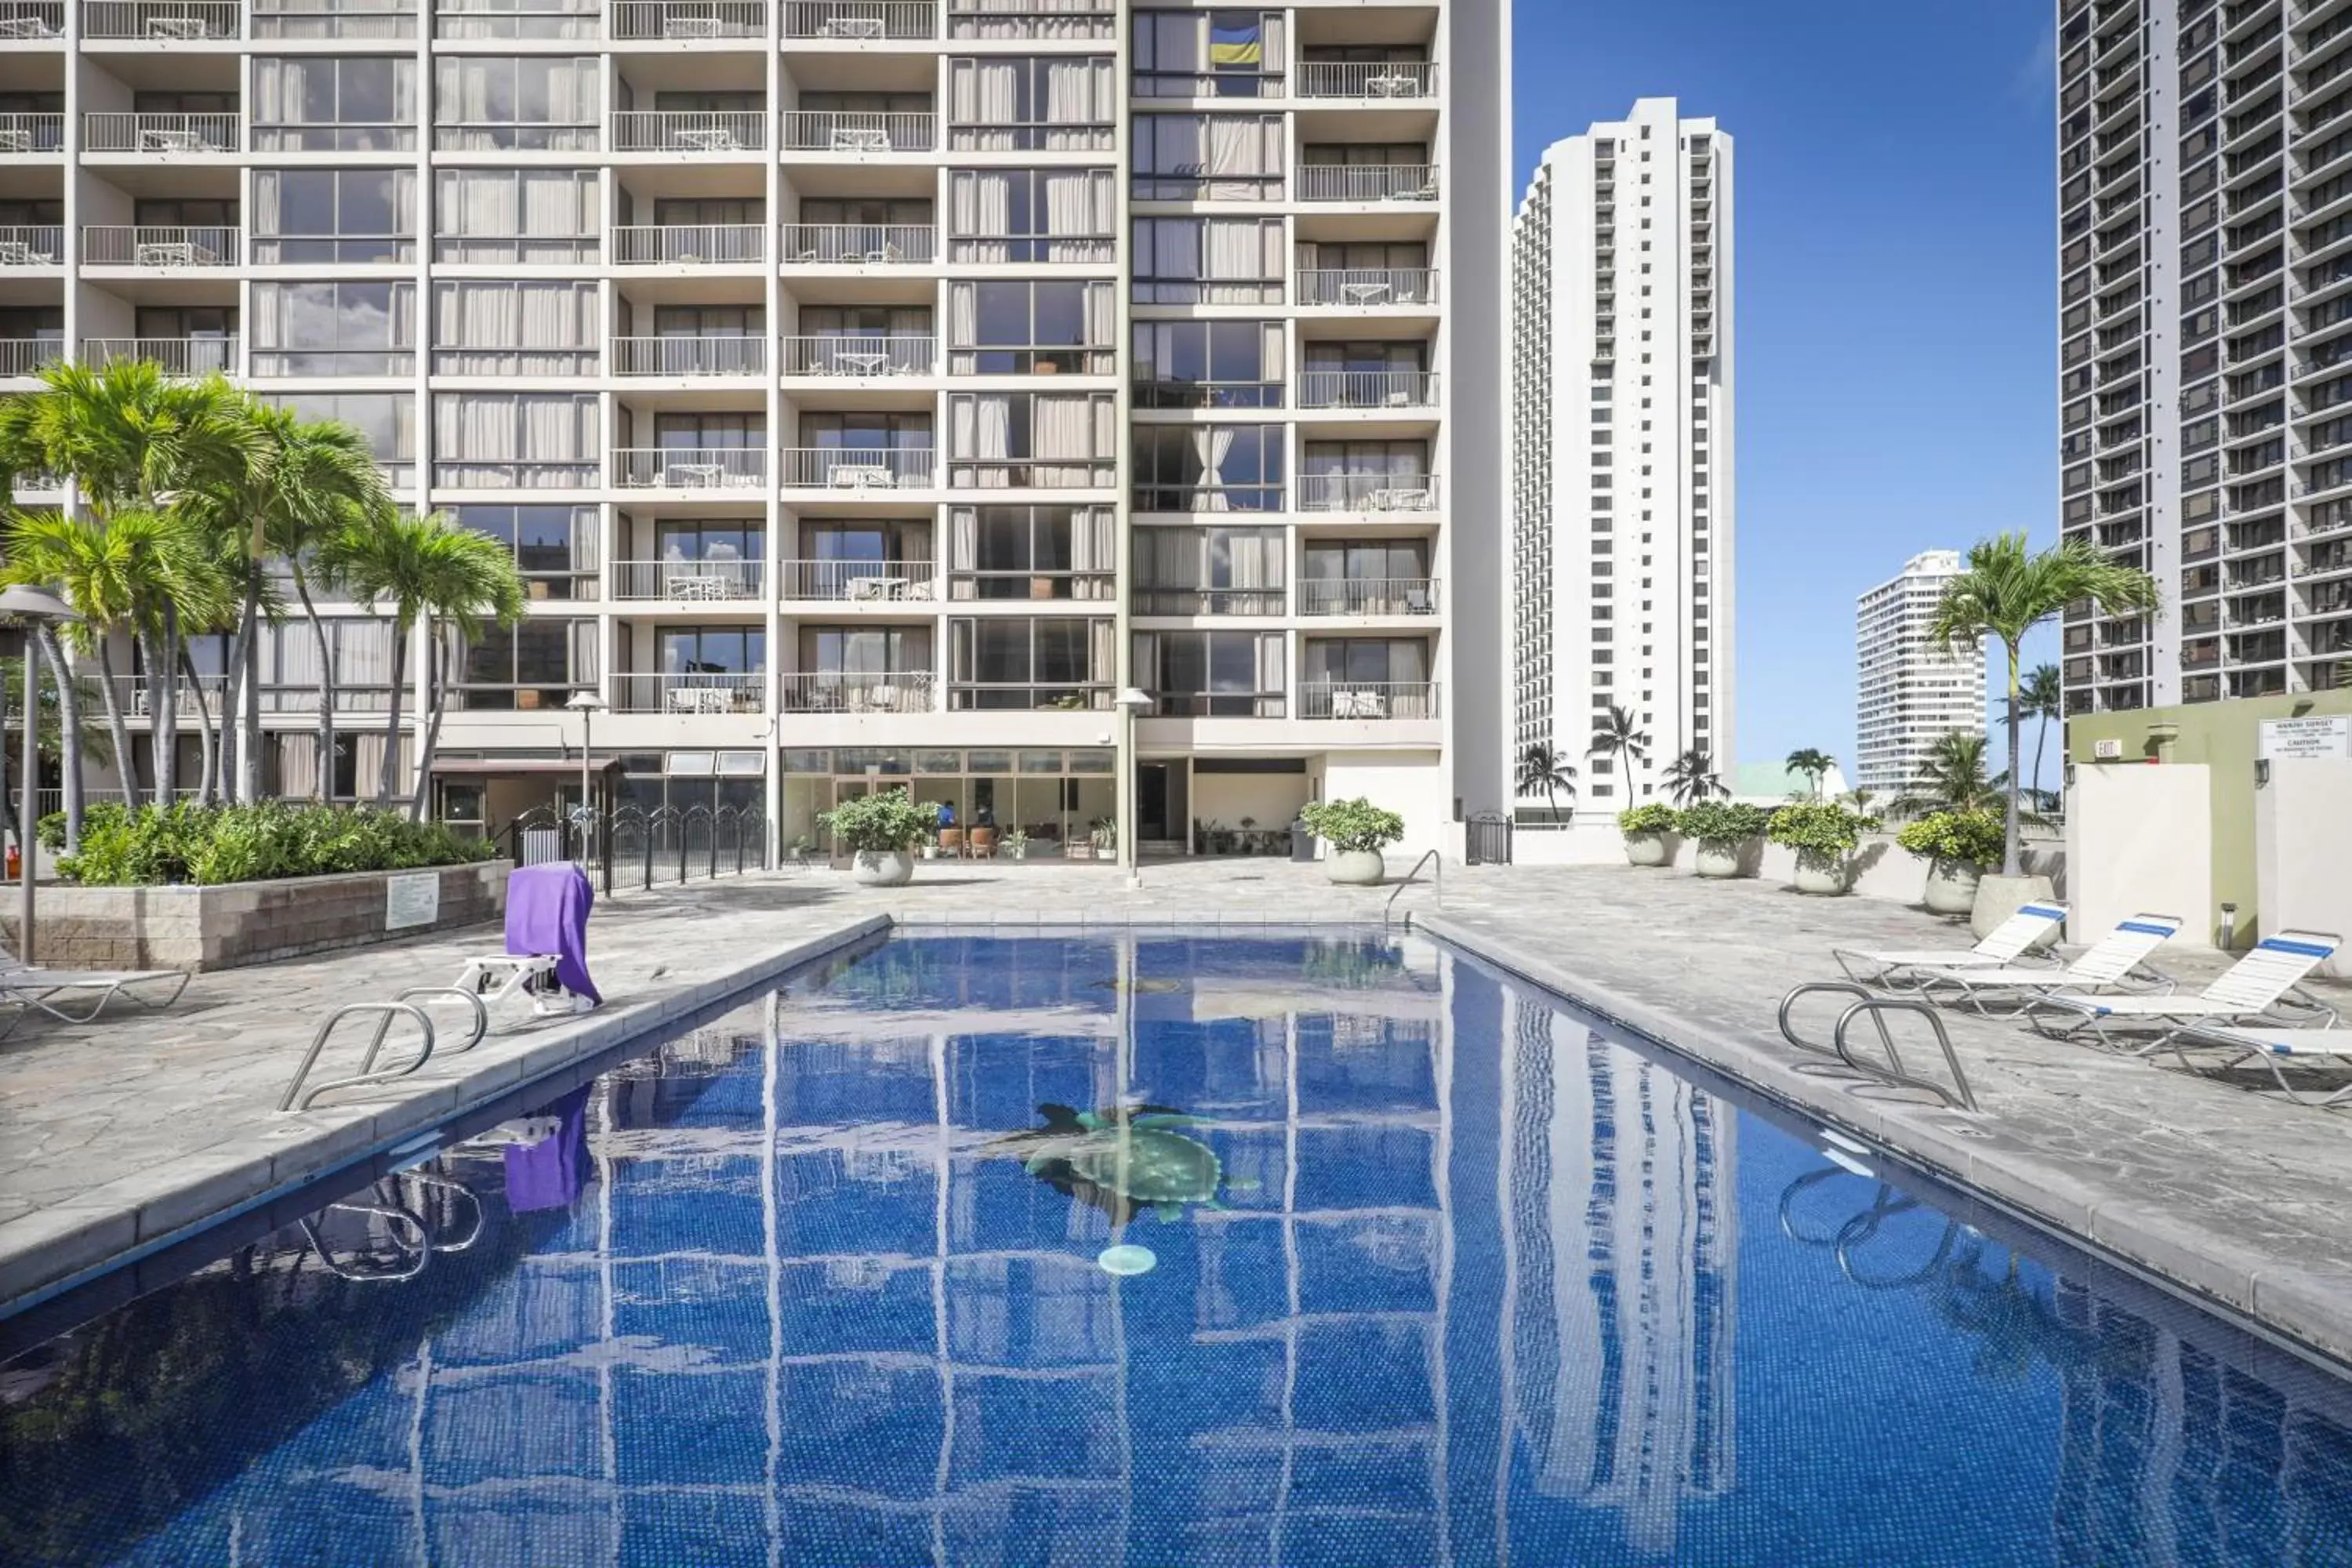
(1909, 691)
(1623, 501)
(871, 391)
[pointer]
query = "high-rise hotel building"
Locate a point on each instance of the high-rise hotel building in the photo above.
(2205, 328)
(1621, 504)
(1910, 692)
(870, 390)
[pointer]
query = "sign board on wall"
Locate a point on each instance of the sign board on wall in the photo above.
(412, 899)
(2305, 740)
(2107, 750)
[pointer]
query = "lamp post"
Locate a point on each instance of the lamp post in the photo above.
(1130, 701)
(587, 704)
(33, 608)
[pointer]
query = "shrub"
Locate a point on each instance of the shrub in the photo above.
(211, 845)
(884, 820)
(1819, 831)
(1967, 838)
(1721, 824)
(1646, 819)
(1352, 826)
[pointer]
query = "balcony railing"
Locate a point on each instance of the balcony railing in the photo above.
(1367, 388)
(351, 19)
(162, 20)
(702, 691)
(850, 353)
(834, 244)
(843, 131)
(1368, 596)
(856, 691)
(1368, 183)
(1368, 492)
(32, 133)
(109, 245)
(860, 581)
(177, 356)
(683, 20)
(690, 244)
(38, 245)
(860, 21)
(110, 132)
(689, 582)
(189, 697)
(23, 19)
(682, 357)
(1364, 287)
(25, 356)
(1367, 699)
(857, 468)
(690, 130)
(1367, 78)
(690, 468)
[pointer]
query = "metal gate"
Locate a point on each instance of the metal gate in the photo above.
(1487, 840)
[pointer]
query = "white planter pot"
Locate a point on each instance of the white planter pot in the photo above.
(1355, 867)
(1951, 887)
(1998, 897)
(1650, 849)
(1718, 860)
(1823, 878)
(883, 867)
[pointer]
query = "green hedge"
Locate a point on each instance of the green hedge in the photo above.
(215, 844)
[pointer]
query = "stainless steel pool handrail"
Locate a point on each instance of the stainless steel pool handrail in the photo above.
(1428, 857)
(385, 1013)
(1894, 1073)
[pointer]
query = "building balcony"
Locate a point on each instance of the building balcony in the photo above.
(203, 695)
(860, 243)
(1368, 596)
(176, 356)
(34, 133)
(1375, 492)
(21, 357)
(162, 21)
(690, 244)
(856, 691)
(700, 691)
(690, 468)
(1367, 183)
(861, 21)
(1379, 81)
(678, 580)
(38, 245)
(159, 248)
(859, 582)
(683, 356)
(846, 131)
(24, 21)
(1367, 699)
(1367, 389)
(857, 354)
(690, 130)
(856, 468)
(1367, 288)
(687, 21)
(161, 134)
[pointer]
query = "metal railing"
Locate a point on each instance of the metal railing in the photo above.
(687, 356)
(851, 353)
(106, 131)
(690, 468)
(177, 356)
(1367, 699)
(162, 20)
(856, 691)
(1368, 492)
(689, 582)
(351, 19)
(857, 468)
(1367, 388)
(861, 21)
(700, 692)
(21, 19)
(205, 694)
(629, 844)
(833, 243)
(522, 19)
(32, 133)
(25, 356)
(1367, 182)
(849, 130)
(689, 245)
(1366, 78)
(1436, 863)
(36, 245)
(863, 582)
(690, 130)
(111, 245)
(685, 20)
(1368, 595)
(1363, 286)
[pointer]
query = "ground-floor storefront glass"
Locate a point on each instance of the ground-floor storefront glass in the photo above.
(1057, 798)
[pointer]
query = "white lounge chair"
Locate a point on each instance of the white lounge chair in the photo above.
(497, 977)
(31, 988)
(2250, 988)
(2118, 961)
(2005, 943)
(2276, 1049)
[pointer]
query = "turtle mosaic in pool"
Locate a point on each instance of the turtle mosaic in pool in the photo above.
(1295, 1250)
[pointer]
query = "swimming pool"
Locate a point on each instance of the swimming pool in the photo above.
(1431, 1271)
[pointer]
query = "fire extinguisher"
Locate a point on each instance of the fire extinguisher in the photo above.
(16, 863)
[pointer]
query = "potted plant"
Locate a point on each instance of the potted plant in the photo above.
(1957, 846)
(1649, 834)
(1357, 831)
(930, 846)
(1103, 833)
(1016, 844)
(1248, 836)
(1723, 830)
(1824, 835)
(880, 831)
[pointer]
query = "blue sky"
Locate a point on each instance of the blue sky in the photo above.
(1897, 287)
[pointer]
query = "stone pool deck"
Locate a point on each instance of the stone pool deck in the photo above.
(117, 1138)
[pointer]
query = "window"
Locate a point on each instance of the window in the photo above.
(709, 321)
(529, 217)
(1005, 663)
(1041, 440)
(323, 104)
(1064, 104)
(537, 663)
(1018, 327)
(1030, 552)
(1365, 678)
(1210, 571)
(348, 216)
(1209, 261)
(518, 19)
(190, 339)
(1208, 53)
(710, 432)
(1208, 157)
(514, 441)
(1364, 172)
(185, 213)
(334, 329)
(388, 419)
(707, 541)
(532, 103)
(1212, 675)
(865, 650)
(1033, 214)
(1365, 272)
(514, 329)
(1366, 577)
(556, 547)
(1208, 467)
(1208, 364)
(711, 650)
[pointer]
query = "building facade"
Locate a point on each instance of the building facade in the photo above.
(871, 391)
(1909, 692)
(2205, 266)
(1622, 503)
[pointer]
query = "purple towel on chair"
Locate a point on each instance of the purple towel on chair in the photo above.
(547, 911)
(548, 1175)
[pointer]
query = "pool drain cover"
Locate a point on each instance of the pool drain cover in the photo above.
(1125, 1260)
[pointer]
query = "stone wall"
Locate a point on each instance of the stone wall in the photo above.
(240, 923)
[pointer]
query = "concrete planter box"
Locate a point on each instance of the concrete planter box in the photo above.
(240, 923)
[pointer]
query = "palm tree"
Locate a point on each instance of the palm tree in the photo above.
(1860, 799)
(2006, 592)
(1814, 765)
(1691, 777)
(1543, 768)
(1615, 735)
(1951, 778)
(2043, 694)
(437, 574)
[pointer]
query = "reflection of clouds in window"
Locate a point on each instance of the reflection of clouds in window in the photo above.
(334, 329)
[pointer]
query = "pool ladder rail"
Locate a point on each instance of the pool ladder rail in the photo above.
(1436, 863)
(409, 1005)
(1891, 1073)
(409, 1252)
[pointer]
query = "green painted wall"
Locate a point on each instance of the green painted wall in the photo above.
(2224, 736)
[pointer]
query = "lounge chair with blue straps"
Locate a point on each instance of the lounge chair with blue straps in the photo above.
(2252, 989)
(2117, 962)
(2005, 944)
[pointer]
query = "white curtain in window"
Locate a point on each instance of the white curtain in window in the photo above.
(1081, 206)
(1102, 651)
(964, 326)
(560, 204)
(1211, 444)
(1240, 251)
(327, 316)
(492, 89)
(982, 432)
(1239, 147)
(985, 102)
(963, 541)
(266, 216)
(282, 88)
(1079, 94)
(982, 211)
(1063, 434)
(363, 652)
(1270, 662)
(492, 328)
(1102, 315)
(1093, 541)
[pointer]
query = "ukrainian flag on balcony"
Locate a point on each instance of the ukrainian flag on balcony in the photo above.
(1235, 47)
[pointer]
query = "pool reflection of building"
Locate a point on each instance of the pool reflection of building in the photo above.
(1621, 1256)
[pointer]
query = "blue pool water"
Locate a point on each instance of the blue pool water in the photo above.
(1437, 1275)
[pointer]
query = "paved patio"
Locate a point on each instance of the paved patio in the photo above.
(117, 1137)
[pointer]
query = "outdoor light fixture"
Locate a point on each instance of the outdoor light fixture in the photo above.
(587, 704)
(33, 607)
